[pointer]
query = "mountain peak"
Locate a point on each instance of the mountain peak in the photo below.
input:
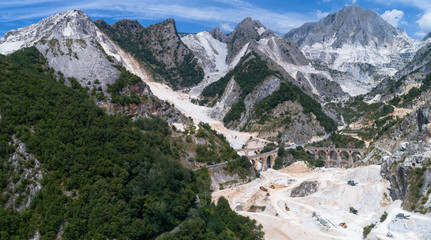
(246, 31)
(248, 22)
(358, 42)
(350, 25)
(169, 21)
(218, 34)
(71, 24)
(350, 8)
(166, 28)
(128, 25)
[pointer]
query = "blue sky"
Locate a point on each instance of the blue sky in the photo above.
(198, 15)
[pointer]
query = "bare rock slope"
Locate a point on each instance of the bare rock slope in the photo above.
(71, 43)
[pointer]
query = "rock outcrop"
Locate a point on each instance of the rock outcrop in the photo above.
(71, 43)
(27, 169)
(359, 42)
(218, 34)
(150, 106)
(408, 168)
(159, 48)
(246, 31)
(305, 189)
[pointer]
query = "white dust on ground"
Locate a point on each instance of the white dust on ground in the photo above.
(182, 102)
(331, 202)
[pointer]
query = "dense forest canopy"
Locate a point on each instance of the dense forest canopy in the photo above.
(126, 180)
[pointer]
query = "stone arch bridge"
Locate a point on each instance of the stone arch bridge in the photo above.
(247, 151)
(332, 157)
(266, 160)
(260, 161)
(337, 157)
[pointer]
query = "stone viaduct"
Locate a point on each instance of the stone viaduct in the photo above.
(332, 157)
(266, 160)
(247, 151)
(337, 157)
(260, 161)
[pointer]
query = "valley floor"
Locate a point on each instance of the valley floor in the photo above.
(318, 216)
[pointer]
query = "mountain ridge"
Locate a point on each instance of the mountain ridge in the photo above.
(160, 48)
(123, 161)
(358, 42)
(71, 43)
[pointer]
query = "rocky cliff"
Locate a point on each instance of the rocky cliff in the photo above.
(25, 173)
(218, 53)
(246, 31)
(159, 48)
(71, 43)
(253, 97)
(358, 42)
(404, 153)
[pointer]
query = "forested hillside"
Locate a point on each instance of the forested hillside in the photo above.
(106, 177)
(263, 101)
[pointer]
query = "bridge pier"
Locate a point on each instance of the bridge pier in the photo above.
(339, 157)
(339, 161)
(316, 155)
(266, 160)
(351, 158)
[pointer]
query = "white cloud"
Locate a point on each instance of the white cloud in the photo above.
(421, 4)
(320, 14)
(230, 12)
(393, 17)
(420, 34)
(226, 27)
(425, 22)
(238, 3)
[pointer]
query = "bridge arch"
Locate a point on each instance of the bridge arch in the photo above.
(337, 157)
(263, 161)
(322, 155)
(356, 157)
(344, 159)
(333, 158)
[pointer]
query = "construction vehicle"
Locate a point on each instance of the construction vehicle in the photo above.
(263, 188)
(351, 183)
(343, 224)
(402, 216)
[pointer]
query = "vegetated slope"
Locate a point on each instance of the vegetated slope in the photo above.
(372, 115)
(404, 153)
(159, 48)
(392, 100)
(218, 53)
(106, 176)
(408, 78)
(261, 100)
